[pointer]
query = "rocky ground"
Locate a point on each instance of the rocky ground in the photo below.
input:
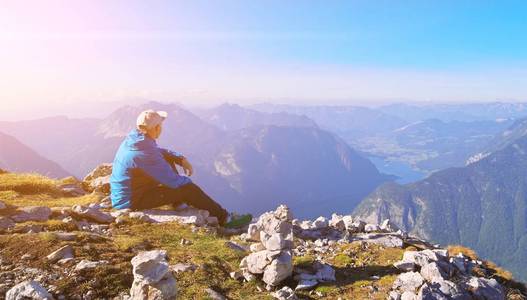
(61, 240)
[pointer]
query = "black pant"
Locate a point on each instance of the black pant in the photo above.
(190, 194)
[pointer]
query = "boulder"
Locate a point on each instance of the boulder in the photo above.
(485, 289)
(86, 264)
(337, 222)
(164, 289)
(276, 241)
(383, 239)
(28, 290)
(188, 215)
(152, 277)
(427, 292)
(150, 266)
(409, 281)
(285, 293)
(32, 213)
(256, 262)
(65, 252)
(431, 271)
(449, 289)
(93, 214)
(320, 223)
(181, 268)
(99, 179)
(279, 269)
(408, 296)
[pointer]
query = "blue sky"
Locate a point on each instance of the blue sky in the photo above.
(207, 52)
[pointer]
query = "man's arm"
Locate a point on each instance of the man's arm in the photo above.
(156, 167)
(172, 156)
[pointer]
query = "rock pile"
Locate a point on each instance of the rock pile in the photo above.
(99, 179)
(272, 254)
(153, 279)
(432, 274)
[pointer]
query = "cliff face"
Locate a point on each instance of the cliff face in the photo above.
(482, 206)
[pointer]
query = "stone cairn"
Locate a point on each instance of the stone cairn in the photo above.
(272, 254)
(152, 277)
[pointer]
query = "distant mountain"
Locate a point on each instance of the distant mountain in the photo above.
(308, 168)
(456, 112)
(349, 122)
(17, 157)
(234, 117)
(249, 169)
(482, 205)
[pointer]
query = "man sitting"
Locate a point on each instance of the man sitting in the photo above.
(144, 175)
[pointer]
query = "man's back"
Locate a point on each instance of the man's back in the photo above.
(140, 165)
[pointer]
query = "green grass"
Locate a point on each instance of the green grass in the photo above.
(37, 190)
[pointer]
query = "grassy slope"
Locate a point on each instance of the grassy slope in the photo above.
(363, 271)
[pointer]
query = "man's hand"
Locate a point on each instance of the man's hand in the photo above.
(187, 167)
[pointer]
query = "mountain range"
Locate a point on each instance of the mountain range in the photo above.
(482, 205)
(248, 166)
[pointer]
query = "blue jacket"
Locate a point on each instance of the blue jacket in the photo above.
(140, 165)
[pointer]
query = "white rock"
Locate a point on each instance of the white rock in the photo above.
(28, 290)
(164, 289)
(337, 222)
(86, 264)
(181, 268)
(306, 285)
(279, 269)
(285, 293)
(255, 247)
(356, 226)
(256, 262)
(32, 213)
(430, 292)
(408, 296)
(320, 223)
(484, 288)
(139, 215)
(150, 266)
(371, 228)
(276, 241)
(409, 281)
(431, 271)
(188, 215)
(61, 253)
(93, 214)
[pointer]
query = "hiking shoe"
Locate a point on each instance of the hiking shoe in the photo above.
(238, 221)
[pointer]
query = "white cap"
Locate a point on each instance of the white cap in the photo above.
(149, 119)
